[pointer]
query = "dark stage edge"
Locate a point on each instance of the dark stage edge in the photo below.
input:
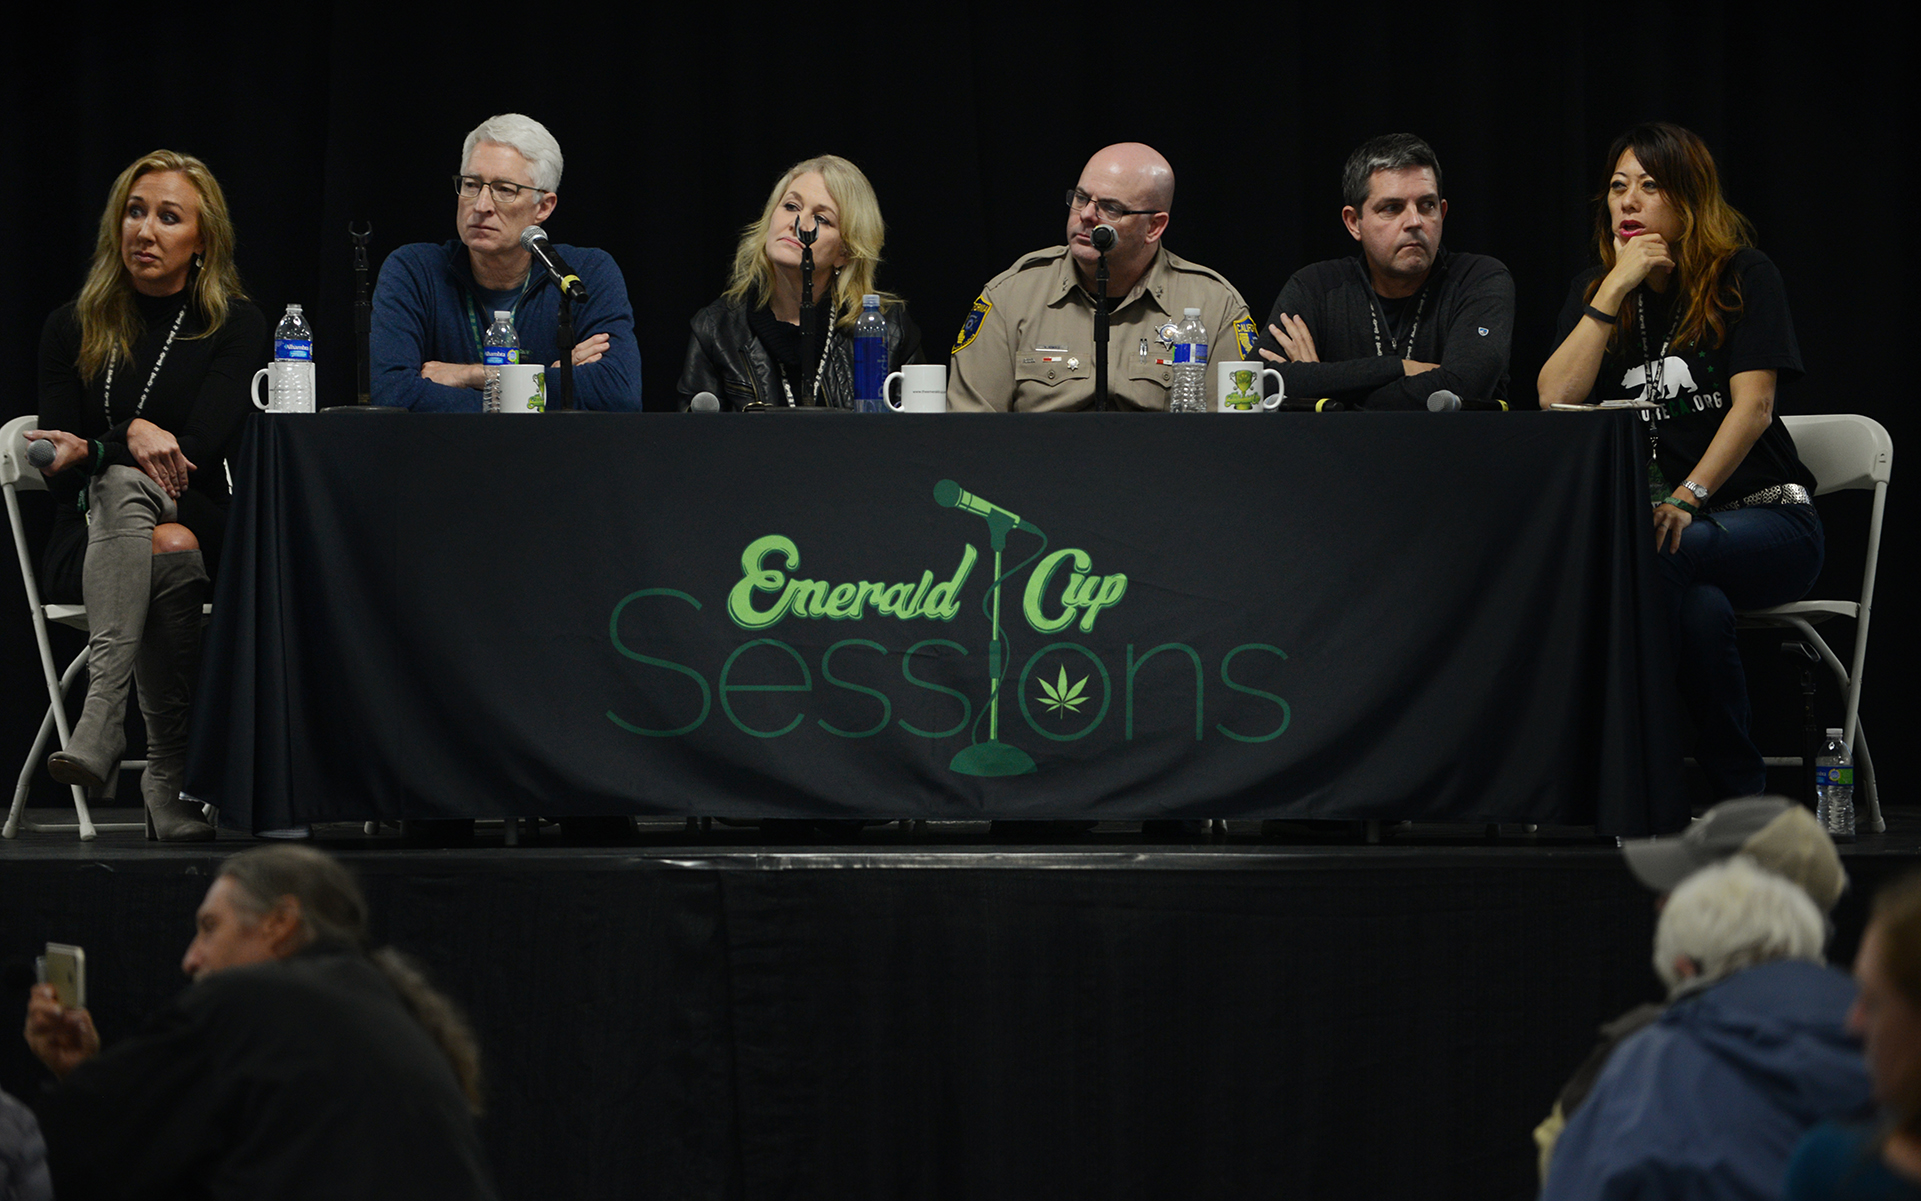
(710, 1014)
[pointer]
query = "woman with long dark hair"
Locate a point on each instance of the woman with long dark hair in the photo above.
(1685, 314)
(143, 390)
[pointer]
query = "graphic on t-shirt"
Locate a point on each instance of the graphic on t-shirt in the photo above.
(1675, 378)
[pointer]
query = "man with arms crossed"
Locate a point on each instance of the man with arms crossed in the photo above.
(1405, 320)
(433, 304)
(1028, 346)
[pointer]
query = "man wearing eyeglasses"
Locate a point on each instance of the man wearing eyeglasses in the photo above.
(433, 304)
(1405, 319)
(1028, 346)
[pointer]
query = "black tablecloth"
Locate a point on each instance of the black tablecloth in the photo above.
(1440, 617)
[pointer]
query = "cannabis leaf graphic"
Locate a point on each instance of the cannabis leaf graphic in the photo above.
(1063, 698)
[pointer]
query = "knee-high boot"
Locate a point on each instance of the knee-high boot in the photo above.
(166, 670)
(123, 505)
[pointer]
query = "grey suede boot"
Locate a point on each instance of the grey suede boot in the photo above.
(165, 670)
(123, 507)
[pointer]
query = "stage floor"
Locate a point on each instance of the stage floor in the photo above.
(934, 1013)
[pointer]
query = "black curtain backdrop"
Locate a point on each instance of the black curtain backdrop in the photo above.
(676, 120)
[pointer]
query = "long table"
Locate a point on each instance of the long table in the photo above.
(1400, 616)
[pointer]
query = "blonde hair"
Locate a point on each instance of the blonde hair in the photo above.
(109, 322)
(862, 233)
(1711, 229)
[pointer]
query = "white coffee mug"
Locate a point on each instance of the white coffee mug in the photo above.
(923, 388)
(523, 388)
(1237, 388)
(290, 387)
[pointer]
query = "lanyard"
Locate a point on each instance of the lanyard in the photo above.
(1374, 315)
(106, 389)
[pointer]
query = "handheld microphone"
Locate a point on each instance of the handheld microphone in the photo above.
(534, 240)
(950, 495)
(704, 402)
(1104, 237)
(41, 453)
(1443, 401)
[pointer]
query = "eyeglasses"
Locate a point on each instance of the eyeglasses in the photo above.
(468, 186)
(1113, 210)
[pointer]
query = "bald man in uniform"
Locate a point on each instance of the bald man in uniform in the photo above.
(1028, 346)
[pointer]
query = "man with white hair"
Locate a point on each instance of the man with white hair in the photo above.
(1709, 1101)
(433, 304)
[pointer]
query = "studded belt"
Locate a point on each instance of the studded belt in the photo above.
(1779, 494)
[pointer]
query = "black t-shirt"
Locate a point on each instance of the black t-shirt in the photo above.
(1695, 379)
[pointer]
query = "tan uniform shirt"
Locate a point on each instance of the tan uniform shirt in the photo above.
(1028, 346)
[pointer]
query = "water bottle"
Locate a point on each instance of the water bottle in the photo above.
(502, 349)
(1189, 393)
(870, 356)
(293, 385)
(1834, 789)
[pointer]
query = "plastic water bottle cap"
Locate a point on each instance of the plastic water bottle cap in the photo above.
(1190, 312)
(870, 301)
(1834, 732)
(500, 316)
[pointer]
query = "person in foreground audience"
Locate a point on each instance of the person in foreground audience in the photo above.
(23, 1154)
(1709, 1101)
(1685, 315)
(1028, 346)
(143, 393)
(747, 347)
(1776, 833)
(1405, 319)
(433, 304)
(300, 1063)
(1874, 1161)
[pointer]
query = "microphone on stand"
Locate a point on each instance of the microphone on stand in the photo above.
(1103, 237)
(534, 240)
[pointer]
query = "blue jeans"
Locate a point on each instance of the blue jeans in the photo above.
(1742, 559)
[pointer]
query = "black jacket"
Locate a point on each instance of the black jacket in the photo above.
(725, 358)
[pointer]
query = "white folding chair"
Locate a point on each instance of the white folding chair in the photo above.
(15, 477)
(1844, 451)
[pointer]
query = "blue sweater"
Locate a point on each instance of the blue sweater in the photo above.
(426, 309)
(1709, 1101)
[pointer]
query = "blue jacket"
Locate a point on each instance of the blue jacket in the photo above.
(1709, 1101)
(425, 309)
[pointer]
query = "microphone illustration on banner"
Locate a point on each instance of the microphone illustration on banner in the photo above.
(41, 453)
(1104, 237)
(950, 495)
(534, 241)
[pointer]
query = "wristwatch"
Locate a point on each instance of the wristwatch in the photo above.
(1700, 493)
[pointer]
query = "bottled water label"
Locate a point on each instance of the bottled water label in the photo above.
(1835, 777)
(299, 350)
(501, 356)
(1190, 352)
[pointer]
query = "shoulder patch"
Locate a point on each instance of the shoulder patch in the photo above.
(1245, 335)
(972, 326)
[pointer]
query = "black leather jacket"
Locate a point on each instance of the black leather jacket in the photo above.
(725, 358)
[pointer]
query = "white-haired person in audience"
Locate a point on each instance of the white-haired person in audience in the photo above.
(1870, 1161)
(1709, 1101)
(1777, 833)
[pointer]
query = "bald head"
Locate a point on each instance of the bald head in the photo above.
(1134, 170)
(1138, 179)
